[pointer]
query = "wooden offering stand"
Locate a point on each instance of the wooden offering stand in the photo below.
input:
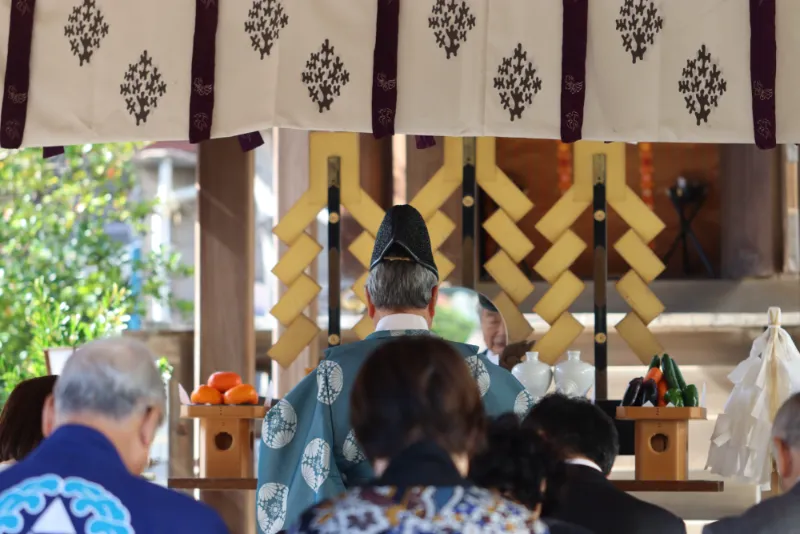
(661, 446)
(226, 447)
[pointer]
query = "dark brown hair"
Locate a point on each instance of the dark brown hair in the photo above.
(21, 419)
(416, 389)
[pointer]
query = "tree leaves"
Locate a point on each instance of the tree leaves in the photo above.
(64, 279)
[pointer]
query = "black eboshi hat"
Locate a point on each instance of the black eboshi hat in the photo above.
(403, 236)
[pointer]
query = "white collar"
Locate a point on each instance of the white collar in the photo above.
(494, 358)
(584, 462)
(402, 321)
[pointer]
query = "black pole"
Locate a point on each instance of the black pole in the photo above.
(334, 246)
(469, 189)
(600, 277)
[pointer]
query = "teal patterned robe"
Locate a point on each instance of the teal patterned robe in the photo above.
(308, 452)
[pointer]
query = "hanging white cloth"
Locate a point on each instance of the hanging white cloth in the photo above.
(741, 443)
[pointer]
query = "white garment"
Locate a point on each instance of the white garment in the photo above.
(402, 321)
(494, 358)
(584, 462)
(6, 465)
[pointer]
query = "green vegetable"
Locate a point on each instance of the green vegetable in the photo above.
(633, 393)
(679, 375)
(650, 392)
(669, 372)
(675, 397)
(690, 396)
(655, 362)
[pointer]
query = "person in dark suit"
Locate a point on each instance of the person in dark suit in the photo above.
(515, 463)
(86, 476)
(779, 514)
(585, 439)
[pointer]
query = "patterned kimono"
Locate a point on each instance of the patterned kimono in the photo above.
(308, 451)
(420, 492)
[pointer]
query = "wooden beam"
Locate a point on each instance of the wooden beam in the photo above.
(225, 264)
(750, 214)
(290, 181)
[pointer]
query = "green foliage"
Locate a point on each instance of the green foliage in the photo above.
(452, 325)
(63, 279)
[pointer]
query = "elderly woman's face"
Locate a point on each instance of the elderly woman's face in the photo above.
(494, 331)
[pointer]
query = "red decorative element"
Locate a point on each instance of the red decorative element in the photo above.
(763, 66)
(573, 68)
(384, 68)
(18, 70)
(204, 52)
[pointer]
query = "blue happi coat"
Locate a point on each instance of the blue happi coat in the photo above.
(75, 482)
(308, 451)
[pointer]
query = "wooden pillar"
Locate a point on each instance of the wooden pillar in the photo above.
(290, 182)
(224, 315)
(750, 216)
(421, 165)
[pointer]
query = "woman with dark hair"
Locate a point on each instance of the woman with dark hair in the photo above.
(517, 464)
(417, 415)
(21, 423)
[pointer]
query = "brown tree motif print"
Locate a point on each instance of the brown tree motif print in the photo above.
(265, 20)
(451, 21)
(638, 24)
(516, 82)
(702, 85)
(86, 28)
(324, 76)
(143, 87)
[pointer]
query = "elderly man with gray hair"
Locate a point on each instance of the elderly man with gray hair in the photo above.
(778, 514)
(308, 451)
(105, 410)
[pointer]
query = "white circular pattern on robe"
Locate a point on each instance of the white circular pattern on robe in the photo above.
(316, 463)
(480, 374)
(351, 451)
(271, 507)
(330, 381)
(523, 403)
(280, 425)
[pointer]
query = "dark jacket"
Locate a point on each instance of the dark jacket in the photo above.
(554, 526)
(589, 500)
(779, 515)
(77, 476)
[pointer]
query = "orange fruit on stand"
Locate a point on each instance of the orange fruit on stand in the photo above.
(241, 394)
(204, 394)
(224, 380)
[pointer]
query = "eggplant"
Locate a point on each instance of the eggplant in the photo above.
(634, 393)
(650, 392)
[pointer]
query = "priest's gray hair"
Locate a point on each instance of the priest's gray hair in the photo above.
(114, 378)
(786, 426)
(401, 285)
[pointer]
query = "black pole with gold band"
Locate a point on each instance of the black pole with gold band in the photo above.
(469, 189)
(600, 276)
(334, 247)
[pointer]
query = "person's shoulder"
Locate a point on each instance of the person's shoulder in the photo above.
(353, 352)
(770, 515)
(176, 508)
(663, 520)
(556, 526)
(508, 510)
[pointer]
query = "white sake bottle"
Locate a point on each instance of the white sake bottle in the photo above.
(574, 377)
(534, 375)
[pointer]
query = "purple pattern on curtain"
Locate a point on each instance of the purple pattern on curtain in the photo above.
(763, 59)
(573, 68)
(250, 141)
(204, 53)
(18, 70)
(384, 73)
(52, 151)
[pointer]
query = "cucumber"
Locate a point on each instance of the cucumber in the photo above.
(655, 362)
(669, 372)
(690, 396)
(679, 376)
